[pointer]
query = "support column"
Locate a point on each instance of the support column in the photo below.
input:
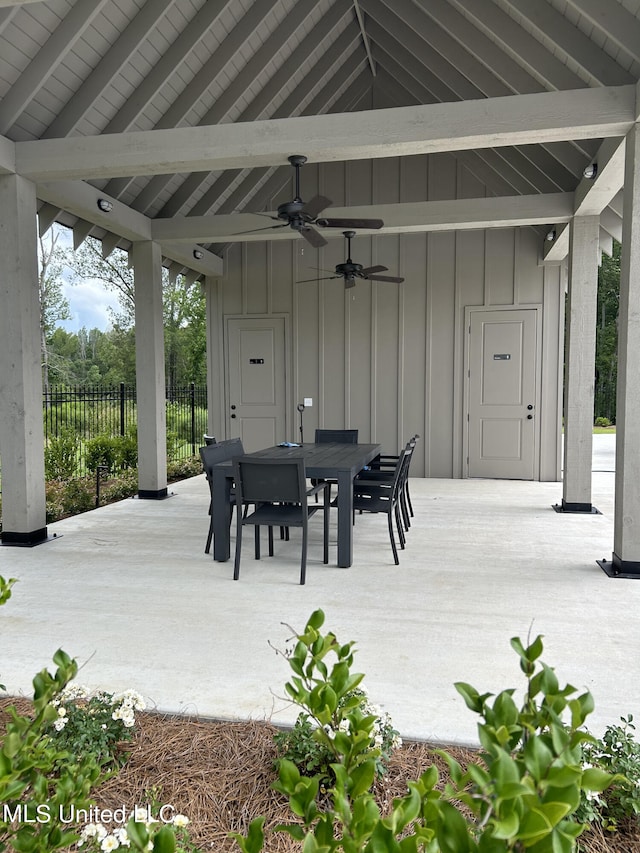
(580, 364)
(21, 429)
(625, 561)
(150, 375)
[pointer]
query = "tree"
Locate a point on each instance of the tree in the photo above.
(607, 335)
(53, 305)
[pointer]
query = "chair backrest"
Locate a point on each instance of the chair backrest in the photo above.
(213, 454)
(337, 436)
(402, 469)
(209, 439)
(270, 480)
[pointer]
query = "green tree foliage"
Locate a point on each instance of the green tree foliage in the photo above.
(92, 356)
(607, 335)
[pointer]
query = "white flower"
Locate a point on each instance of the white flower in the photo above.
(93, 830)
(60, 723)
(109, 843)
(180, 820)
(62, 712)
(121, 835)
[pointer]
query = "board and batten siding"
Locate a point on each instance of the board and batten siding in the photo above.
(389, 359)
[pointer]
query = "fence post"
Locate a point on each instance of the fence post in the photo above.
(122, 408)
(193, 418)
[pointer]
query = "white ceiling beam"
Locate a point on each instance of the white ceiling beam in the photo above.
(447, 215)
(558, 249)
(7, 156)
(81, 199)
(612, 223)
(593, 195)
(403, 131)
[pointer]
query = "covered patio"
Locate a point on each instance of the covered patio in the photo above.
(128, 591)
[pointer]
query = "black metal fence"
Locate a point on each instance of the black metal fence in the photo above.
(91, 411)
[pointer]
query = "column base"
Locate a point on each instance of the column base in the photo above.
(153, 494)
(617, 568)
(26, 540)
(584, 508)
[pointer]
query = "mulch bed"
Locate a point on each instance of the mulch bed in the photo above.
(219, 774)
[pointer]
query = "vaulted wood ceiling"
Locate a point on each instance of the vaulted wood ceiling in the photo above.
(120, 68)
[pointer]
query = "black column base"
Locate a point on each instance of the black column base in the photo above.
(26, 540)
(153, 494)
(617, 568)
(584, 508)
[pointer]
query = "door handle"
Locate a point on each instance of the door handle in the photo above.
(232, 408)
(528, 407)
(529, 417)
(233, 416)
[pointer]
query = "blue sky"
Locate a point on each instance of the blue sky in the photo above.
(88, 303)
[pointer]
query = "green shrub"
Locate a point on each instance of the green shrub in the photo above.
(79, 496)
(122, 486)
(617, 752)
(101, 450)
(181, 469)
(602, 422)
(522, 797)
(61, 456)
(312, 756)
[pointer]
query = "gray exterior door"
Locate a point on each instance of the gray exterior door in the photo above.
(502, 394)
(257, 382)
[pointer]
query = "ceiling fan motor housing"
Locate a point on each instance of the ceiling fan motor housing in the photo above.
(348, 269)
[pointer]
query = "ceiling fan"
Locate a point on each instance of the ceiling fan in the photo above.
(301, 216)
(349, 270)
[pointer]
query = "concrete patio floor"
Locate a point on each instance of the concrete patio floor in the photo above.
(129, 592)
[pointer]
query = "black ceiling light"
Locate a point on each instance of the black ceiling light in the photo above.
(551, 235)
(198, 254)
(590, 171)
(105, 205)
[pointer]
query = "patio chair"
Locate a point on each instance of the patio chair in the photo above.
(279, 491)
(385, 498)
(209, 439)
(382, 470)
(212, 454)
(334, 436)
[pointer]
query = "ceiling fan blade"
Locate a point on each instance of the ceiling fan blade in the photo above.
(318, 202)
(368, 270)
(324, 278)
(384, 278)
(266, 228)
(313, 237)
(349, 223)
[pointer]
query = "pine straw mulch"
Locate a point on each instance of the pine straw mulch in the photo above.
(219, 774)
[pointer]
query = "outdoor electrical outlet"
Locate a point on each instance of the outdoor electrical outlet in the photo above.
(308, 401)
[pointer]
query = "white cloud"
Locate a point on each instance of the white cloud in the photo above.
(89, 303)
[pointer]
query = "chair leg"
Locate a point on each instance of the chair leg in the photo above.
(391, 537)
(400, 526)
(257, 540)
(207, 548)
(270, 541)
(325, 540)
(236, 564)
(303, 559)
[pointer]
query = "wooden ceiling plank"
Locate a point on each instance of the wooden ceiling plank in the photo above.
(42, 66)
(614, 21)
(109, 66)
(594, 61)
(487, 123)
(521, 46)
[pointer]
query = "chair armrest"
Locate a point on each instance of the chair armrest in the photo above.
(321, 486)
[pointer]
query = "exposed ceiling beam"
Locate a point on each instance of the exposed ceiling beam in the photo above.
(81, 199)
(448, 215)
(616, 22)
(593, 195)
(403, 131)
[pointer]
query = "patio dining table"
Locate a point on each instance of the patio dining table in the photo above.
(339, 462)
